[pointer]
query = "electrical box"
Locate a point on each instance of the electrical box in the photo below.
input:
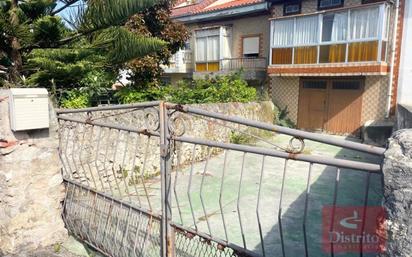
(29, 108)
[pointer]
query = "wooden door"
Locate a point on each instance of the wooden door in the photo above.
(312, 104)
(344, 106)
(332, 105)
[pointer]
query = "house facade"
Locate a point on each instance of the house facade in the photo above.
(225, 36)
(333, 64)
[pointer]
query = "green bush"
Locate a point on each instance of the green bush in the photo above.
(219, 89)
(240, 138)
(131, 95)
(282, 119)
(93, 85)
(75, 99)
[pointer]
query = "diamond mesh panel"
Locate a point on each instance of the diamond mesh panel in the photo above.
(109, 226)
(189, 245)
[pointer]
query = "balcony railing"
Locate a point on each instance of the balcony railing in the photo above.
(180, 62)
(246, 63)
(232, 64)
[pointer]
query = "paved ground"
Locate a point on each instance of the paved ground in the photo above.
(70, 248)
(252, 209)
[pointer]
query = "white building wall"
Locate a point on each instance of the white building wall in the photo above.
(405, 69)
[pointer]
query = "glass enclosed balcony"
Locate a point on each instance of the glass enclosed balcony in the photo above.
(358, 34)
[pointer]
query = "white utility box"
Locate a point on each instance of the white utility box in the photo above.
(29, 108)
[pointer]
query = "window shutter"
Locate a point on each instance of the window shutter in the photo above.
(251, 45)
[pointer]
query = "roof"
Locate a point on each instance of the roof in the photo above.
(185, 8)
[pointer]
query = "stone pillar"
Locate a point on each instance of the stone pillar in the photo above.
(397, 170)
(31, 189)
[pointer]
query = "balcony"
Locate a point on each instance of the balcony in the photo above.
(244, 63)
(252, 67)
(350, 40)
(180, 62)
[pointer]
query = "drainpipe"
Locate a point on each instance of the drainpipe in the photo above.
(393, 51)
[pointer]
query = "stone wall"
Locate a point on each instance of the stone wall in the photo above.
(397, 170)
(403, 116)
(105, 157)
(31, 187)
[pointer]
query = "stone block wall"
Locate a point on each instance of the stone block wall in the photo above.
(397, 171)
(403, 116)
(105, 157)
(31, 188)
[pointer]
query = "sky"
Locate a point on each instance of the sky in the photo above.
(69, 11)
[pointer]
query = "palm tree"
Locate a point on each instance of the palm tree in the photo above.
(27, 25)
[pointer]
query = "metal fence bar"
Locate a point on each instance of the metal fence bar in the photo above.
(110, 126)
(166, 245)
(335, 195)
(238, 201)
(258, 206)
(110, 107)
(274, 153)
(178, 166)
(283, 130)
(201, 189)
(221, 192)
(189, 186)
(365, 203)
(282, 188)
(305, 213)
(115, 200)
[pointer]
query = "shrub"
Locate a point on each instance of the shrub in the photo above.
(282, 118)
(222, 89)
(240, 138)
(131, 95)
(75, 99)
(249, 137)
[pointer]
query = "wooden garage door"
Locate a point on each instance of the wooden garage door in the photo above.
(330, 105)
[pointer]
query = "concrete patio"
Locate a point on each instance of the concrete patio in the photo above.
(351, 192)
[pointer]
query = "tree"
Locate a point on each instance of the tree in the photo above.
(32, 26)
(155, 22)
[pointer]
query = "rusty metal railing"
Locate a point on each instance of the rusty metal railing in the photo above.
(247, 63)
(149, 179)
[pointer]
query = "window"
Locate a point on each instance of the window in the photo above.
(187, 45)
(346, 84)
(306, 31)
(251, 46)
(364, 23)
(353, 35)
(334, 27)
(364, 26)
(207, 50)
(292, 8)
(327, 4)
(282, 40)
(371, 1)
(283, 32)
(314, 84)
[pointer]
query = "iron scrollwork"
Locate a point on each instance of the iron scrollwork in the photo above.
(296, 145)
(151, 120)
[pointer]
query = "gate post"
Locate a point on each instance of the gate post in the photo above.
(166, 246)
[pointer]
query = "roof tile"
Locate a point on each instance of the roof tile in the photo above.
(205, 6)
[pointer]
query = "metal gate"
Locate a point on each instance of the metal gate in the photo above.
(145, 180)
